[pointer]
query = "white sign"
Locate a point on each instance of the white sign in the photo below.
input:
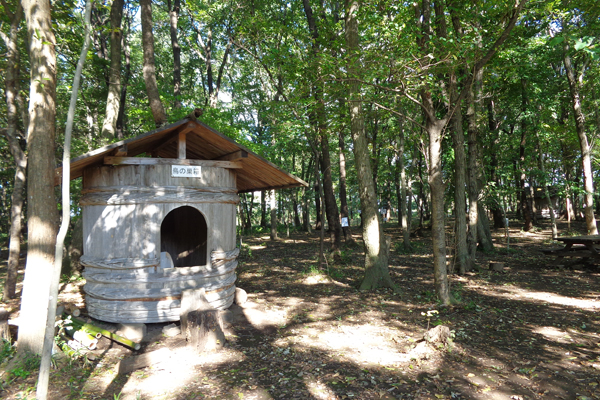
(344, 222)
(187, 171)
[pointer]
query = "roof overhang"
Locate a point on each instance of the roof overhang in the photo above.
(203, 146)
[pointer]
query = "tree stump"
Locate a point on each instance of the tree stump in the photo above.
(204, 332)
(496, 266)
(200, 322)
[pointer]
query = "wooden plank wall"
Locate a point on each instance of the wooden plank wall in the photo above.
(124, 206)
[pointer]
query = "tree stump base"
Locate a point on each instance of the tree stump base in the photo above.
(4, 328)
(204, 330)
(496, 266)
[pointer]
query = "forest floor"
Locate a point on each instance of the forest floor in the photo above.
(529, 332)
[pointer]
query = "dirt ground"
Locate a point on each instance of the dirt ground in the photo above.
(529, 332)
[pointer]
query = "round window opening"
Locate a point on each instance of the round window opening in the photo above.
(183, 235)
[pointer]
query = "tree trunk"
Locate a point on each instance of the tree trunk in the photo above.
(109, 126)
(20, 159)
(525, 209)
(126, 76)
(436, 183)
(174, 19)
(331, 208)
(461, 258)
(343, 193)
(586, 159)
(41, 206)
(376, 246)
(149, 69)
(475, 177)
(403, 210)
(273, 204)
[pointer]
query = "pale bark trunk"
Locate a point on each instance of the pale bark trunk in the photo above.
(20, 159)
(174, 18)
(404, 211)
(343, 194)
(376, 246)
(149, 69)
(113, 101)
(586, 158)
(438, 234)
(44, 374)
(273, 204)
(41, 206)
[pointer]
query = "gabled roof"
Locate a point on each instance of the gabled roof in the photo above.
(202, 143)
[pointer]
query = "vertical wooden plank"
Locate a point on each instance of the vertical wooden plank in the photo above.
(181, 146)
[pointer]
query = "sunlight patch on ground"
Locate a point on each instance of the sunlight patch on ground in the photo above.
(319, 389)
(553, 334)
(361, 343)
(513, 293)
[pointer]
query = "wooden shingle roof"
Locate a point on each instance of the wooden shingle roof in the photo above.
(201, 143)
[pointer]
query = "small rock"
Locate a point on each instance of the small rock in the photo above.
(171, 330)
(240, 296)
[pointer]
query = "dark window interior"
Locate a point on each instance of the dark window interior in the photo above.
(183, 235)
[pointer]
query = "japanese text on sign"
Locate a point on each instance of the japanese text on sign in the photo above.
(178, 171)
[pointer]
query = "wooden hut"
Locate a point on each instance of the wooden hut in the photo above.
(159, 217)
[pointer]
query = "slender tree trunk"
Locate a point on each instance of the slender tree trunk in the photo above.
(586, 159)
(149, 69)
(525, 209)
(331, 208)
(41, 206)
(343, 194)
(376, 245)
(403, 210)
(126, 76)
(20, 159)
(273, 200)
(174, 19)
(44, 373)
(461, 257)
(109, 126)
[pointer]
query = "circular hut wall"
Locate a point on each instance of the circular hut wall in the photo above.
(130, 213)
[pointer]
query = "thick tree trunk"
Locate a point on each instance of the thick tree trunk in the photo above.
(149, 69)
(174, 19)
(586, 159)
(376, 246)
(20, 159)
(109, 126)
(41, 206)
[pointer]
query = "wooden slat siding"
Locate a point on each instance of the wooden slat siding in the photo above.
(109, 160)
(181, 148)
(154, 311)
(136, 230)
